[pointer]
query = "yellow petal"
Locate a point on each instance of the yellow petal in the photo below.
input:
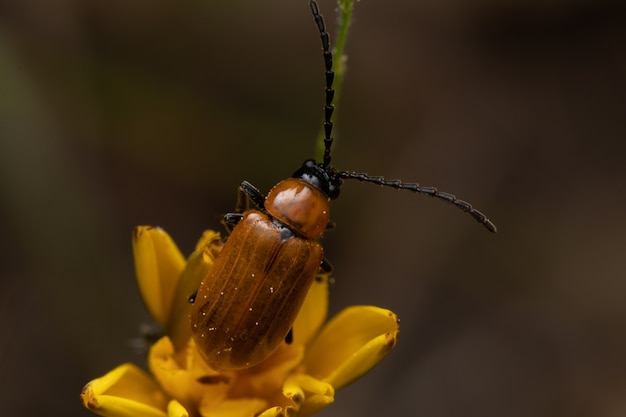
(266, 379)
(126, 391)
(352, 343)
(188, 386)
(313, 312)
(158, 264)
(198, 265)
(175, 409)
(273, 412)
(241, 407)
(309, 395)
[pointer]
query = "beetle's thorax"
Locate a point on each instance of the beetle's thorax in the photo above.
(300, 205)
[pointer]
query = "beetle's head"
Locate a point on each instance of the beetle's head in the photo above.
(320, 176)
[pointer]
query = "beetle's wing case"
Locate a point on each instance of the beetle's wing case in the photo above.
(250, 298)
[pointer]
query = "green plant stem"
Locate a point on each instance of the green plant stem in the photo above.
(345, 19)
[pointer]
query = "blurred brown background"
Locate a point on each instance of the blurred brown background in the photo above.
(119, 113)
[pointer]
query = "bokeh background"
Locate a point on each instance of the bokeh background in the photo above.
(117, 113)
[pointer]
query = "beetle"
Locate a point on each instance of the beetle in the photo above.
(246, 304)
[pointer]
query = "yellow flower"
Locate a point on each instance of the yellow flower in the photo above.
(297, 379)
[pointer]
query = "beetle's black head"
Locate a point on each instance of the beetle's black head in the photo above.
(320, 176)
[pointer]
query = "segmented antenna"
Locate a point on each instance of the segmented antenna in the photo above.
(328, 140)
(430, 191)
(330, 75)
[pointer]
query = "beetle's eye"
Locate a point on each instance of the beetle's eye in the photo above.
(313, 174)
(333, 190)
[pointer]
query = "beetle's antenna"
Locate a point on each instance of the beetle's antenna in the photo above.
(430, 191)
(330, 75)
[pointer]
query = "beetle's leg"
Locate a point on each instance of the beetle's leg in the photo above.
(325, 267)
(246, 194)
(192, 297)
(330, 225)
(289, 337)
(230, 220)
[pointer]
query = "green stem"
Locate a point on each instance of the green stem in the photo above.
(339, 61)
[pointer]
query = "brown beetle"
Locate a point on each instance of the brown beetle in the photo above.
(246, 305)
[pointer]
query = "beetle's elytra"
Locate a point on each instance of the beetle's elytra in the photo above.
(246, 305)
(249, 300)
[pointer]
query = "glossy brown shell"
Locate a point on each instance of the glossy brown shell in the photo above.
(250, 298)
(300, 205)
